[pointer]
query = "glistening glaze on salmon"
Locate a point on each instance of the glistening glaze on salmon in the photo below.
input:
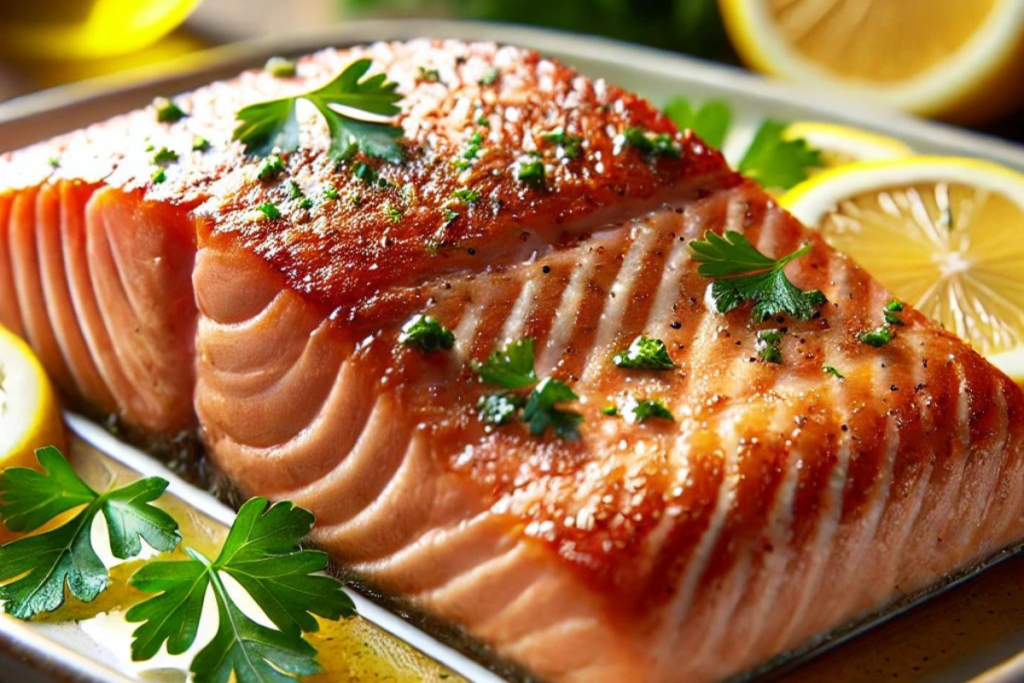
(782, 502)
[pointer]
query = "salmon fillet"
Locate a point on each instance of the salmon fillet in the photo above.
(780, 504)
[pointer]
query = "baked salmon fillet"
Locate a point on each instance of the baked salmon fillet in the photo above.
(795, 473)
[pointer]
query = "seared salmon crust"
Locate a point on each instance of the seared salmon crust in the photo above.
(781, 502)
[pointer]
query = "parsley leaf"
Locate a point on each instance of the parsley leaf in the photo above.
(644, 353)
(634, 410)
(877, 337)
(44, 562)
(710, 122)
(510, 367)
(426, 333)
(267, 126)
(768, 345)
(651, 144)
(742, 274)
(541, 412)
(892, 311)
(831, 370)
(776, 162)
(261, 553)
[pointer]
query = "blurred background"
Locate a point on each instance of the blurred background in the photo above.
(45, 43)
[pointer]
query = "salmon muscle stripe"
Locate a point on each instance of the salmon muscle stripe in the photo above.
(781, 502)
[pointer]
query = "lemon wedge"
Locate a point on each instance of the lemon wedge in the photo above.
(29, 411)
(945, 234)
(840, 145)
(952, 59)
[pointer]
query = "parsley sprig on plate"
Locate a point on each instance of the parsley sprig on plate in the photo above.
(269, 126)
(44, 562)
(512, 367)
(743, 274)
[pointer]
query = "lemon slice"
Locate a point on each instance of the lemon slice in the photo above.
(841, 145)
(948, 58)
(29, 412)
(945, 234)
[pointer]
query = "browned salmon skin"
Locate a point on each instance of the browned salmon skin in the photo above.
(780, 503)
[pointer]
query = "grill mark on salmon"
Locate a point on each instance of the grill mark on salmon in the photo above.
(782, 503)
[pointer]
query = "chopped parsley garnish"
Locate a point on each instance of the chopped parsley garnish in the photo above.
(271, 168)
(510, 367)
(892, 313)
(470, 151)
(571, 145)
(466, 195)
(393, 213)
(651, 144)
(159, 176)
(489, 77)
(268, 126)
(200, 144)
(306, 203)
(165, 156)
(741, 273)
(167, 111)
(644, 353)
(279, 67)
(541, 411)
(426, 333)
(775, 162)
(294, 191)
(430, 75)
(330, 192)
(262, 553)
(831, 370)
(43, 563)
(269, 211)
(448, 216)
(768, 345)
(355, 199)
(499, 409)
(54, 162)
(877, 337)
(363, 171)
(634, 410)
(532, 172)
(710, 122)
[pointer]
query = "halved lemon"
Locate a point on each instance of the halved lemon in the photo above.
(841, 145)
(948, 58)
(30, 415)
(945, 234)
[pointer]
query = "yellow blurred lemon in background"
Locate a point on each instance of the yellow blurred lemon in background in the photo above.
(953, 59)
(30, 414)
(944, 234)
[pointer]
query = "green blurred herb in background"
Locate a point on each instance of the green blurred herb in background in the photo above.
(691, 26)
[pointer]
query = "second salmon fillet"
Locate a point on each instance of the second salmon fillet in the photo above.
(714, 490)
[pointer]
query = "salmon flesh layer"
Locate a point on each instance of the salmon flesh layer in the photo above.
(782, 502)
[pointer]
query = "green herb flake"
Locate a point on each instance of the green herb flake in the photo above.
(877, 338)
(448, 217)
(393, 213)
(271, 168)
(634, 410)
(366, 173)
(42, 564)
(279, 67)
(571, 145)
(268, 126)
(269, 211)
(651, 144)
(167, 111)
(775, 162)
(510, 367)
(644, 353)
(489, 77)
(429, 75)
(610, 411)
(294, 191)
(330, 192)
(741, 273)
(263, 555)
(542, 413)
(159, 176)
(831, 370)
(427, 334)
(710, 122)
(165, 156)
(768, 345)
(532, 172)
(499, 409)
(464, 194)
(306, 203)
(54, 162)
(200, 144)
(892, 313)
